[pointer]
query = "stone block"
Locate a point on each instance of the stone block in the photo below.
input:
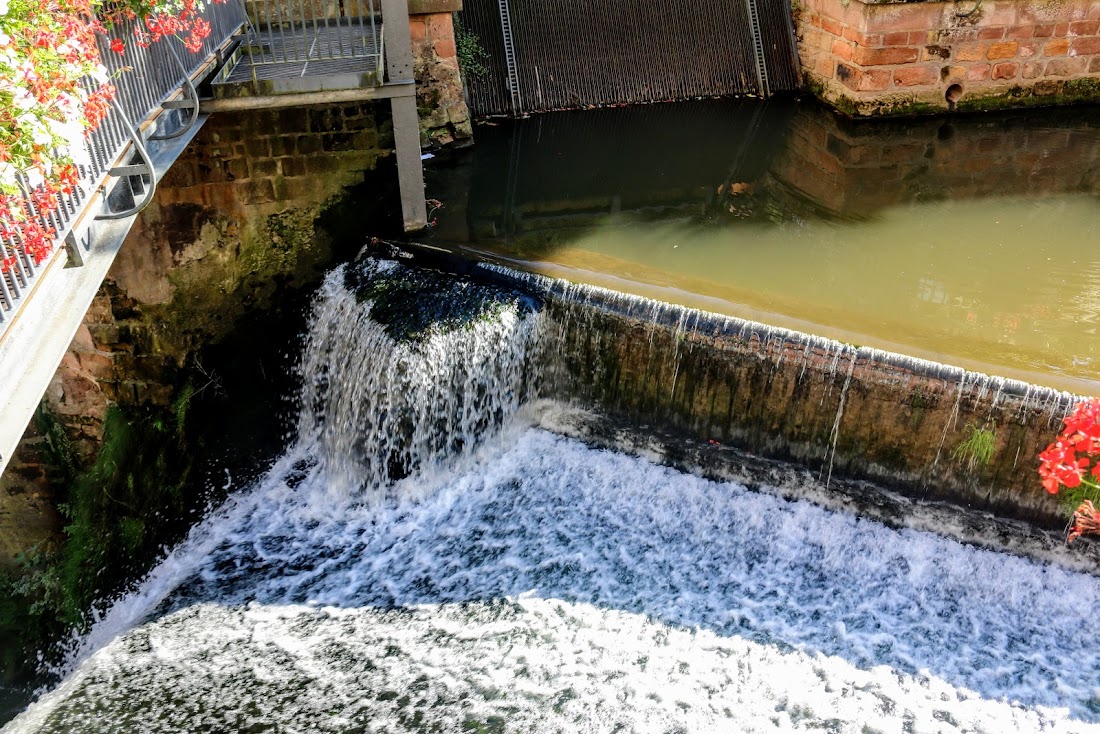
(323, 120)
(935, 53)
(1007, 70)
(424, 7)
(292, 166)
(952, 74)
(1084, 28)
(1029, 49)
(258, 191)
(236, 169)
(337, 142)
(263, 167)
(1047, 87)
(1043, 31)
(884, 56)
(307, 144)
(991, 34)
(1070, 66)
(418, 29)
(1057, 47)
(896, 38)
(1005, 50)
(970, 52)
(292, 120)
(440, 25)
(282, 145)
(257, 147)
(444, 48)
(1019, 32)
(1094, 65)
(1033, 69)
(915, 76)
(1086, 46)
(842, 50)
(855, 36)
(978, 72)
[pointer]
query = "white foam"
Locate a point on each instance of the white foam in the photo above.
(531, 584)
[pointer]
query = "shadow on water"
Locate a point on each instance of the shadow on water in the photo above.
(735, 160)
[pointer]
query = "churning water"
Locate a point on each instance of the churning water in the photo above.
(493, 576)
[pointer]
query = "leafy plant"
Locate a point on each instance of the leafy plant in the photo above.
(977, 448)
(472, 56)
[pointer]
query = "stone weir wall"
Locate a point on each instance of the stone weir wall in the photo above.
(929, 430)
(882, 58)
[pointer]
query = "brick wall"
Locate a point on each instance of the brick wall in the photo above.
(440, 100)
(921, 57)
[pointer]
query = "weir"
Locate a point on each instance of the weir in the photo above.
(854, 411)
(503, 575)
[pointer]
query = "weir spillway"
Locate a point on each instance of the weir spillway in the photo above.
(427, 555)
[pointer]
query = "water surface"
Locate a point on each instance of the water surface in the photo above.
(968, 241)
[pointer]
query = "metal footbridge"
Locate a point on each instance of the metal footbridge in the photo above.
(260, 54)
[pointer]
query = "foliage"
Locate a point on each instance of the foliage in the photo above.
(118, 515)
(472, 56)
(1073, 462)
(977, 447)
(54, 91)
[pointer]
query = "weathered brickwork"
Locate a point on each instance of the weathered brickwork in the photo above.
(234, 221)
(911, 58)
(444, 117)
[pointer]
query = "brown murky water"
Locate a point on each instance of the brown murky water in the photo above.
(971, 241)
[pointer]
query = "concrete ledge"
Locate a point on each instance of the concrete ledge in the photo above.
(277, 101)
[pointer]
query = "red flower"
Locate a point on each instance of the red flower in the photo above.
(118, 46)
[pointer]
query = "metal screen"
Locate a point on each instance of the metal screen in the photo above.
(552, 54)
(144, 78)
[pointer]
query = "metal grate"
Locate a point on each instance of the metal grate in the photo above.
(145, 79)
(558, 54)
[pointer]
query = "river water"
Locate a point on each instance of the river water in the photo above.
(427, 557)
(962, 241)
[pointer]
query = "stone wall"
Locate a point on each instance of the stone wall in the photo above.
(440, 99)
(870, 58)
(234, 225)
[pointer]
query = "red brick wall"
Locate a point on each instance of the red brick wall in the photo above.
(893, 58)
(444, 117)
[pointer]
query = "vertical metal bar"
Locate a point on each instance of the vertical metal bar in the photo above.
(377, 48)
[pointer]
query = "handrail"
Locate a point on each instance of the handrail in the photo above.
(148, 79)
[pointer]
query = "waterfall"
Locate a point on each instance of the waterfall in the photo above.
(421, 560)
(395, 383)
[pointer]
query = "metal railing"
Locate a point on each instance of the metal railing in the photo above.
(152, 83)
(304, 31)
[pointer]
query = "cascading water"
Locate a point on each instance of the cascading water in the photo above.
(536, 584)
